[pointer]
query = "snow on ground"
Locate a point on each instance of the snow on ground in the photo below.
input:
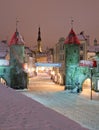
(18, 112)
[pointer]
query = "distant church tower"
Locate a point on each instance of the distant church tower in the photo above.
(71, 57)
(39, 48)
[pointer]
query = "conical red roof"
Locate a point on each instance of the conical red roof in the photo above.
(72, 38)
(16, 39)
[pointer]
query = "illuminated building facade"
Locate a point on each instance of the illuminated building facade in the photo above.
(30, 59)
(84, 44)
(59, 57)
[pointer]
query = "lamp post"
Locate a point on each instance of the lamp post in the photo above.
(91, 82)
(94, 64)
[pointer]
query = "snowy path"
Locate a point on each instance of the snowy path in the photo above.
(75, 106)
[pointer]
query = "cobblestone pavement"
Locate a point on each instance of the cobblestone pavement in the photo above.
(77, 107)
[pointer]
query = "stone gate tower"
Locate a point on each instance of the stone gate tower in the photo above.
(75, 73)
(18, 76)
(72, 58)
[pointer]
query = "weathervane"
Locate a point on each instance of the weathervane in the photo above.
(72, 22)
(16, 24)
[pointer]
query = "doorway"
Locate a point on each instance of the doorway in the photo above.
(86, 88)
(87, 84)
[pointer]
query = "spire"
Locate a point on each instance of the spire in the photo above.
(39, 41)
(72, 38)
(39, 34)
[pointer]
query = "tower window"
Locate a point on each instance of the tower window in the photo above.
(70, 60)
(4, 71)
(61, 57)
(81, 47)
(81, 57)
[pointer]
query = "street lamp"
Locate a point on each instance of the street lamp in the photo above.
(91, 68)
(91, 81)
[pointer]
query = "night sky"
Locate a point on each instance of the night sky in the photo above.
(53, 16)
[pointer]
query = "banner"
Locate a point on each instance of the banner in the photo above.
(88, 63)
(48, 64)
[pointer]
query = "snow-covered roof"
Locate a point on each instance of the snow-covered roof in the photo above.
(93, 48)
(4, 62)
(80, 37)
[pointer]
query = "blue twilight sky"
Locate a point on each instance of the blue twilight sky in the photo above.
(53, 16)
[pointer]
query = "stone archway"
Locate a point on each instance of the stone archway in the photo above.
(86, 86)
(3, 81)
